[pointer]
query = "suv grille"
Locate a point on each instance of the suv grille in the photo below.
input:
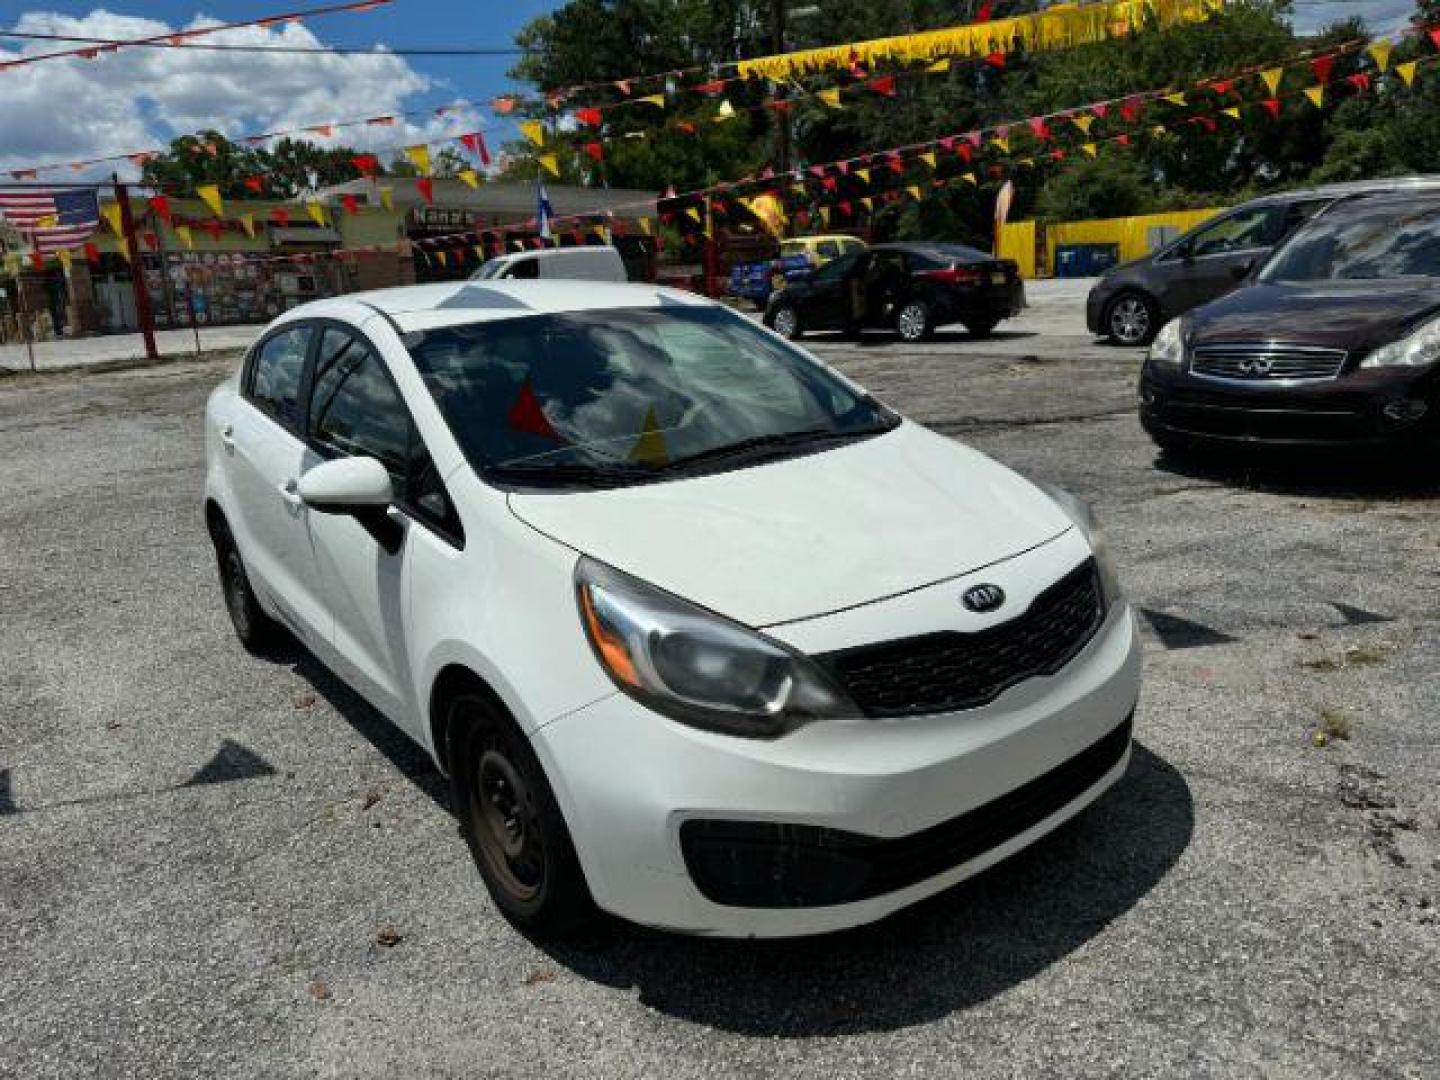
(1263, 362)
(942, 672)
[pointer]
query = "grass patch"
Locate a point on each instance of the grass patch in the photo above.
(1334, 724)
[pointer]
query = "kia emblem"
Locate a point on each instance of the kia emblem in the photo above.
(983, 598)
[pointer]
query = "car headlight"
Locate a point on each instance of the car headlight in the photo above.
(1079, 512)
(697, 667)
(1420, 349)
(1168, 348)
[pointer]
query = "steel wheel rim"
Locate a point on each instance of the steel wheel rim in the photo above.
(1130, 319)
(506, 825)
(236, 593)
(912, 322)
(785, 322)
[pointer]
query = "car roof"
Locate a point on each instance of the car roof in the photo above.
(1399, 184)
(428, 307)
(931, 248)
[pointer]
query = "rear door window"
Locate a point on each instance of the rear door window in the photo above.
(275, 372)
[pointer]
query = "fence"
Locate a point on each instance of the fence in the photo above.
(1034, 245)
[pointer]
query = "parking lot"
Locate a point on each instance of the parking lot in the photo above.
(214, 864)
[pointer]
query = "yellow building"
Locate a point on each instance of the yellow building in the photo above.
(1036, 245)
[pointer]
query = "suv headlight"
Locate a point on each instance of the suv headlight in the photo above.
(1168, 348)
(1078, 511)
(697, 667)
(1419, 349)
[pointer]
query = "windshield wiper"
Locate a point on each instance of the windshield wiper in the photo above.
(589, 475)
(759, 446)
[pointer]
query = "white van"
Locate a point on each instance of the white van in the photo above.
(595, 263)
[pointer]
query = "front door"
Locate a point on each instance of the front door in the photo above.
(1215, 258)
(830, 302)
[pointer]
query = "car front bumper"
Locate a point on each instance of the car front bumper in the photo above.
(678, 828)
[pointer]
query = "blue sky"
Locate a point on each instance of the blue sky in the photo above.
(137, 99)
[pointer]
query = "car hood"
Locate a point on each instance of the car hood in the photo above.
(804, 536)
(1354, 315)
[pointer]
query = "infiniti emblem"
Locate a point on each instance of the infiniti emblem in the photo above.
(985, 597)
(1256, 365)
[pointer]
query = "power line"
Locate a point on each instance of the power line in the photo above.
(362, 50)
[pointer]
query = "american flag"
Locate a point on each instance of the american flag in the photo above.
(52, 220)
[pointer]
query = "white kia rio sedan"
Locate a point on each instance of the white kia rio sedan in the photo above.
(703, 635)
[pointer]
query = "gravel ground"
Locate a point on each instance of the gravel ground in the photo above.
(213, 864)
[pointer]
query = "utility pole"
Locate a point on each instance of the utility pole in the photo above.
(143, 314)
(782, 115)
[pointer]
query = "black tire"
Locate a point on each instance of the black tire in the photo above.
(981, 328)
(256, 630)
(913, 321)
(785, 321)
(1131, 318)
(1170, 444)
(512, 823)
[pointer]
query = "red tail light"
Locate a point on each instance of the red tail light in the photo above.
(956, 275)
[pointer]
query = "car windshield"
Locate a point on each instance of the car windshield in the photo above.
(489, 268)
(625, 396)
(1363, 241)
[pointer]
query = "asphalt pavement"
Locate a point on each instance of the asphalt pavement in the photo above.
(221, 865)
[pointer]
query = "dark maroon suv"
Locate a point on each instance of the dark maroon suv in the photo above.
(1334, 341)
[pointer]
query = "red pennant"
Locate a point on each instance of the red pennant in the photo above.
(1360, 81)
(595, 150)
(885, 85)
(280, 216)
(685, 127)
(1057, 155)
(1223, 87)
(715, 86)
(254, 183)
(947, 143)
(212, 226)
(426, 187)
(973, 138)
(161, 205)
(350, 203)
(365, 164)
(37, 258)
(1131, 109)
(1100, 110)
(802, 218)
(151, 241)
(1434, 35)
(857, 65)
(1322, 66)
(1039, 128)
(964, 151)
(829, 183)
(996, 60)
(986, 10)
(1204, 121)
(92, 254)
(1272, 105)
(475, 143)
(590, 117)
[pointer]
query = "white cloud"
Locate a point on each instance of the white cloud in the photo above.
(138, 99)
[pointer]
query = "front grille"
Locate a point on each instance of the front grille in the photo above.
(942, 672)
(1266, 362)
(759, 864)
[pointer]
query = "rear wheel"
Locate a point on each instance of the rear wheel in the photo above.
(786, 321)
(981, 328)
(913, 321)
(1132, 319)
(512, 823)
(256, 630)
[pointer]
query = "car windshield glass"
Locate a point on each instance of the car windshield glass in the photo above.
(490, 267)
(1363, 242)
(627, 395)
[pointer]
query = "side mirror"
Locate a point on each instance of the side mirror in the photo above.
(347, 485)
(359, 487)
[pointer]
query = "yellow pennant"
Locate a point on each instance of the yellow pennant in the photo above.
(64, 259)
(825, 215)
(479, 252)
(1083, 122)
(940, 65)
(694, 213)
(550, 162)
(1406, 72)
(864, 175)
(868, 203)
(1159, 131)
(317, 213)
(650, 449)
(928, 158)
(1175, 99)
(211, 194)
(533, 130)
(726, 111)
(420, 157)
(1272, 79)
(658, 100)
(471, 177)
(1089, 148)
(442, 257)
(1316, 94)
(111, 213)
(914, 190)
(645, 225)
(183, 232)
(387, 198)
(1380, 52)
(49, 221)
(1233, 112)
(1003, 144)
(830, 97)
(969, 178)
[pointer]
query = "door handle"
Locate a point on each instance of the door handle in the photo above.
(227, 436)
(290, 492)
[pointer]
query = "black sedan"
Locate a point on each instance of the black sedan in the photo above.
(911, 288)
(1334, 342)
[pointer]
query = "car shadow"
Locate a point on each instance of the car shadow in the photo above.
(872, 339)
(947, 954)
(1331, 476)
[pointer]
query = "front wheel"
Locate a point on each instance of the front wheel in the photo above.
(786, 322)
(1132, 319)
(512, 823)
(913, 321)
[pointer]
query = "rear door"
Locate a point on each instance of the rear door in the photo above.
(266, 455)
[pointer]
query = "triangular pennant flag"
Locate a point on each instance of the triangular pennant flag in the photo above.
(1406, 72)
(830, 97)
(1089, 148)
(111, 213)
(1083, 122)
(884, 86)
(528, 417)
(92, 254)
(996, 60)
(550, 162)
(254, 183)
(1039, 128)
(658, 100)
(387, 198)
(1272, 78)
(1002, 142)
(213, 226)
(694, 211)
(970, 178)
(1380, 52)
(650, 449)
(914, 191)
(868, 203)
(726, 110)
(1272, 106)
(441, 258)
(864, 175)
(1223, 86)
(928, 158)
(317, 213)
(469, 177)
(590, 117)
(1316, 94)
(533, 130)
(1322, 66)
(186, 237)
(475, 143)
(420, 157)
(942, 64)
(1360, 81)
(1434, 35)
(350, 203)
(161, 205)
(595, 150)
(645, 225)
(247, 222)
(426, 187)
(825, 216)
(1175, 99)
(64, 260)
(280, 216)
(1233, 112)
